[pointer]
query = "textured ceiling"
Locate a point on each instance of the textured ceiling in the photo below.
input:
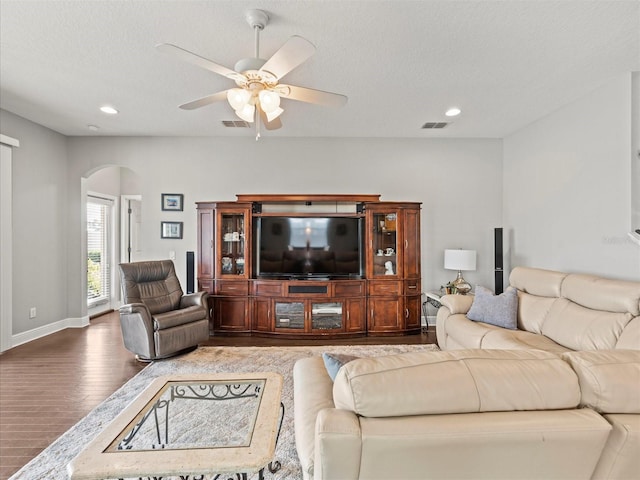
(401, 63)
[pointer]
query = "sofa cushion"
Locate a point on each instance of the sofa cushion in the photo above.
(609, 380)
(499, 310)
(599, 293)
(630, 337)
(532, 311)
(153, 283)
(536, 281)
(580, 328)
(333, 362)
(549, 444)
(620, 457)
(456, 381)
(503, 339)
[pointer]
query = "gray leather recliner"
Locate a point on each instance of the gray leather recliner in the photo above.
(157, 320)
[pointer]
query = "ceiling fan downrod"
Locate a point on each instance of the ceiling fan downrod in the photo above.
(257, 19)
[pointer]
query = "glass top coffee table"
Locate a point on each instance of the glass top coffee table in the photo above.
(190, 426)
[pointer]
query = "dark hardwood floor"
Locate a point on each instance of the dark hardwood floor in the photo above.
(49, 384)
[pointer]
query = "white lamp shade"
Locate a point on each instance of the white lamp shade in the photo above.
(246, 113)
(272, 115)
(238, 98)
(464, 260)
(269, 101)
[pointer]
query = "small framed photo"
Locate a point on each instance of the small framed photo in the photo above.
(171, 230)
(172, 202)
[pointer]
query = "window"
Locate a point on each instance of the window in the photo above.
(99, 211)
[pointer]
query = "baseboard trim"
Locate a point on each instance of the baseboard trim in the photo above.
(428, 320)
(43, 331)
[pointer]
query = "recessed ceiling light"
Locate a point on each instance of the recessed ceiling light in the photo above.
(452, 112)
(108, 109)
(93, 128)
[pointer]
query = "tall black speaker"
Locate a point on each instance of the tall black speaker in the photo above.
(190, 272)
(498, 262)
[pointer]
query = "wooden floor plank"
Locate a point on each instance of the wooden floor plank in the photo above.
(49, 384)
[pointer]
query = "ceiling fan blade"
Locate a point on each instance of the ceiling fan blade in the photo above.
(274, 124)
(201, 102)
(294, 51)
(310, 95)
(194, 59)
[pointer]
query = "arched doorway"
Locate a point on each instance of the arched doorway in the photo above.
(112, 206)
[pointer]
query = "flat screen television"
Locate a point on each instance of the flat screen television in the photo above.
(309, 247)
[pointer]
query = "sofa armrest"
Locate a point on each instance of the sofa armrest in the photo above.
(452, 305)
(312, 393)
(137, 309)
(194, 300)
(457, 303)
(338, 450)
(137, 329)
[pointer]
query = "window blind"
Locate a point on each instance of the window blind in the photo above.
(98, 250)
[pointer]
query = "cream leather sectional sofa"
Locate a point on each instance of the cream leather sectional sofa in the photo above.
(470, 414)
(557, 398)
(557, 312)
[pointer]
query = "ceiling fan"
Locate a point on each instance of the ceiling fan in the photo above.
(258, 92)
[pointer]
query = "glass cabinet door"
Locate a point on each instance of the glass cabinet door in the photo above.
(385, 244)
(232, 251)
(326, 315)
(290, 315)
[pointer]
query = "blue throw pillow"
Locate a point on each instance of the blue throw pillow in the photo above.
(333, 362)
(500, 310)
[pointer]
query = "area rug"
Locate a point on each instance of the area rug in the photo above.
(52, 462)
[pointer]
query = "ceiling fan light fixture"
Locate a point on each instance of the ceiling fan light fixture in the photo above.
(238, 98)
(272, 115)
(269, 101)
(258, 92)
(246, 113)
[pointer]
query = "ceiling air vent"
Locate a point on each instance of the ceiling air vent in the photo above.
(430, 125)
(235, 123)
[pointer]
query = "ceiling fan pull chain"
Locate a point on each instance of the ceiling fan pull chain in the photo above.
(257, 117)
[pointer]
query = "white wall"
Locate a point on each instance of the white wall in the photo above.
(562, 192)
(458, 181)
(40, 228)
(567, 189)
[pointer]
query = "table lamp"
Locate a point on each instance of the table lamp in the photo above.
(460, 260)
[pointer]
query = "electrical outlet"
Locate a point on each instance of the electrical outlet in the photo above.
(172, 255)
(32, 312)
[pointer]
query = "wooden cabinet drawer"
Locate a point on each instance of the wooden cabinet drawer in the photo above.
(205, 285)
(381, 287)
(268, 289)
(412, 287)
(228, 287)
(348, 289)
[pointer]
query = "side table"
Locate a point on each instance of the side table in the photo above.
(433, 299)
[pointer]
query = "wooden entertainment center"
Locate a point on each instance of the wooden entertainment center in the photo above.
(310, 265)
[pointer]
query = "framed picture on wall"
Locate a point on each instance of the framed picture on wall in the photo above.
(172, 202)
(171, 230)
